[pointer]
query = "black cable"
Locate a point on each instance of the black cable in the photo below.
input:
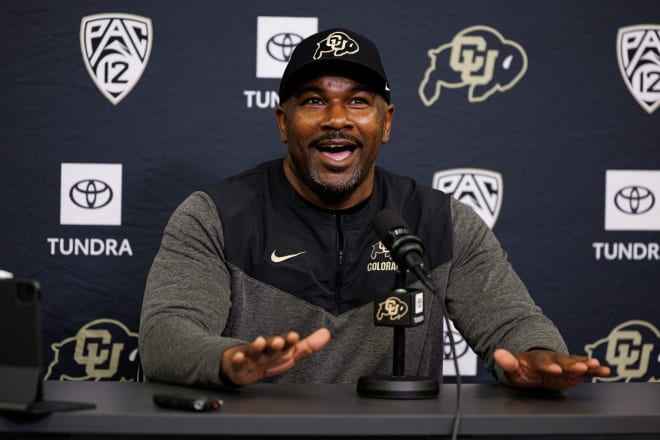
(459, 395)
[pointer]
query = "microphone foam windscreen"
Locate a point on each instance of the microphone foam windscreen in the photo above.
(386, 221)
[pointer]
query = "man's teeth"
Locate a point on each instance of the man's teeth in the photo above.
(336, 154)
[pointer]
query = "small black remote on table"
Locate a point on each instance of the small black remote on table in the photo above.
(192, 402)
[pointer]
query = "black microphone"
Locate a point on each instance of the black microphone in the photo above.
(406, 249)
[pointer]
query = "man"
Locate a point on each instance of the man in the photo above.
(287, 249)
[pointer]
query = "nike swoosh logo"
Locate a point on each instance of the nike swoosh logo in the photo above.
(277, 259)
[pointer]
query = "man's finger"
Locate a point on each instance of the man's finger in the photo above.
(281, 343)
(312, 343)
(238, 358)
(506, 360)
(601, 372)
(577, 368)
(256, 347)
(291, 338)
(551, 367)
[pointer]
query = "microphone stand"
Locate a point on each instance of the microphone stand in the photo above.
(390, 313)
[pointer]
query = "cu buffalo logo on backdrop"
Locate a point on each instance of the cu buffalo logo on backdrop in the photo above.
(480, 189)
(103, 349)
(479, 58)
(631, 350)
(115, 49)
(638, 55)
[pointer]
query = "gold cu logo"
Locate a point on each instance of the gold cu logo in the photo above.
(478, 57)
(338, 44)
(471, 57)
(631, 350)
(94, 353)
(392, 308)
(95, 348)
(628, 354)
(380, 249)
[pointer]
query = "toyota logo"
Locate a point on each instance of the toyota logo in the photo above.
(281, 46)
(90, 194)
(461, 345)
(634, 200)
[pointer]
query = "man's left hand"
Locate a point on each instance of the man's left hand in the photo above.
(547, 369)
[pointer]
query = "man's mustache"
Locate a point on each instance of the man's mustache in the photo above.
(334, 136)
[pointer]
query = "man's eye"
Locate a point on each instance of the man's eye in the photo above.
(359, 101)
(313, 101)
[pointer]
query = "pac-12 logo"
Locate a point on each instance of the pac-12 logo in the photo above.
(115, 49)
(479, 58)
(638, 54)
(477, 188)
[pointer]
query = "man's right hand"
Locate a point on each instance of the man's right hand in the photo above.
(266, 357)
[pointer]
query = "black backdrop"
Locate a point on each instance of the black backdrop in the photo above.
(556, 143)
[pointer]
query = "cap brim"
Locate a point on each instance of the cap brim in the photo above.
(349, 68)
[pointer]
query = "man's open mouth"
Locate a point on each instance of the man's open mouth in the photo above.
(336, 152)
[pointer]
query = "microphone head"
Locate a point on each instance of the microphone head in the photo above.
(405, 248)
(388, 224)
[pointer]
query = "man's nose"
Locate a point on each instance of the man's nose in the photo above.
(337, 116)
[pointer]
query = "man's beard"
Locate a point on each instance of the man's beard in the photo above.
(333, 194)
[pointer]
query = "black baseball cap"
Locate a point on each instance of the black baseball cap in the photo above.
(336, 48)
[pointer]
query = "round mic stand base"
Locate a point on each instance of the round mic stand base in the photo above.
(398, 387)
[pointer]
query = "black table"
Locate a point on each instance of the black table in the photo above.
(596, 411)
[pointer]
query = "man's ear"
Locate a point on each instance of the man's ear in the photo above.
(280, 116)
(387, 123)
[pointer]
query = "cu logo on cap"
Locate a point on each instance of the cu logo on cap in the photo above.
(280, 46)
(90, 194)
(634, 200)
(337, 44)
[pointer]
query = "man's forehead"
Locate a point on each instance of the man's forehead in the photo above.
(335, 81)
(338, 75)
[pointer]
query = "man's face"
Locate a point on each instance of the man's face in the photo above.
(334, 126)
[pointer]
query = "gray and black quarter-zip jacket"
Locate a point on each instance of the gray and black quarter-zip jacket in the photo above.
(250, 257)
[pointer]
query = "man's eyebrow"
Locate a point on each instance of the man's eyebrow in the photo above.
(355, 89)
(308, 88)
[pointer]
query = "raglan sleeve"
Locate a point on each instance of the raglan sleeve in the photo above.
(486, 299)
(187, 299)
